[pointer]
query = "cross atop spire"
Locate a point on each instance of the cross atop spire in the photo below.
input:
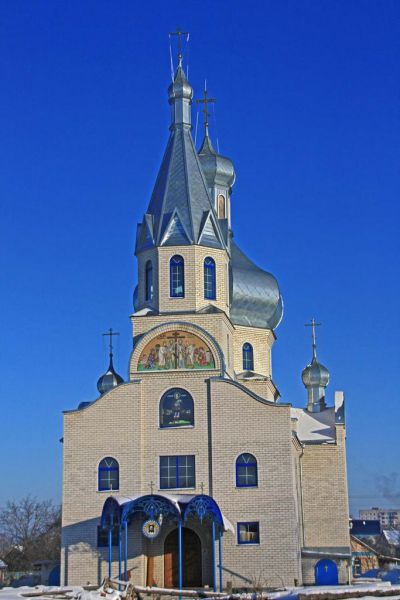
(110, 333)
(206, 101)
(179, 34)
(313, 325)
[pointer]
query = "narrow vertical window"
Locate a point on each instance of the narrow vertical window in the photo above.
(246, 470)
(209, 279)
(149, 281)
(248, 361)
(177, 277)
(221, 207)
(108, 474)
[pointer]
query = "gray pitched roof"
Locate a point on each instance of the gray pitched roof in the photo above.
(180, 211)
(180, 206)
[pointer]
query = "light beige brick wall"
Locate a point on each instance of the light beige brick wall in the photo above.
(325, 494)
(240, 424)
(194, 278)
(262, 341)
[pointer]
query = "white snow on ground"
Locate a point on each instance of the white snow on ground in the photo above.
(78, 593)
(10, 593)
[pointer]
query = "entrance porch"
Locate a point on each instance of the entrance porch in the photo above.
(180, 538)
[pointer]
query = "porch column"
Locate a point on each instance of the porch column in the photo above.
(110, 528)
(213, 558)
(126, 550)
(119, 553)
(180, 554)
(220, 558)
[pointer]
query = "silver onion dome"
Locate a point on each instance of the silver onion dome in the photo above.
(110, 379)
(315, 374)
(180, 87)
(216, 168)
(256, 300)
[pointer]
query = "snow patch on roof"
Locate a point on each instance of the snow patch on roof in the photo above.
(315, 427)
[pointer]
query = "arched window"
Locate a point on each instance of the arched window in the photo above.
(221, 207)
(108, 474)
(209, 278)
(149, 280)
(248, 361)
(177, 277)
(176, 408)
(246, 470)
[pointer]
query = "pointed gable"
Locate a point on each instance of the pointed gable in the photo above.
(210, 235)
(180, 198)
(175, 233)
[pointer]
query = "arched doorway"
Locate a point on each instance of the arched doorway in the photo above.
(191, 557)
(326, 573)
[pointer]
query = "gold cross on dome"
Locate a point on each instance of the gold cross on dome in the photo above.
(313, 325)
(151, 487)
(206, 101)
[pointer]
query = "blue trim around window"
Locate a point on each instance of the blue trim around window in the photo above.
(177, 472)
(210, 292)
(248, 532)
(248, 358)
(177, 277)
(108, 475)
(246, 470)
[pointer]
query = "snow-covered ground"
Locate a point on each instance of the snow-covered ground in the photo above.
(78, 593)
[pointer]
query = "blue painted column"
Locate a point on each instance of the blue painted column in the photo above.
(109, 549)
(119, 553)
(213, 558)
(180, 555)
(220, 558)
(126, 549)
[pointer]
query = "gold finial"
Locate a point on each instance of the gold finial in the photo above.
(202, 488)
(206, 101)
(151, 487)
(313, 325)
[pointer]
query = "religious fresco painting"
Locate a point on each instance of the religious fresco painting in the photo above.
(176, 408)
(176, 350)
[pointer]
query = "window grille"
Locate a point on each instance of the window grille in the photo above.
(177, 472)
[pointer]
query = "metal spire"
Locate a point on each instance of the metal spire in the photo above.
(110, 333)
(179, 33)
(206, 101)
(313, 325)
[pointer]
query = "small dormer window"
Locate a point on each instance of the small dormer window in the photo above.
(177, 277)
(221, 207)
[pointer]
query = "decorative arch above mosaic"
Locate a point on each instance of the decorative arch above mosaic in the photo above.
(176, 350)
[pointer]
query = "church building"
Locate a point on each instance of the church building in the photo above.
(193, 472)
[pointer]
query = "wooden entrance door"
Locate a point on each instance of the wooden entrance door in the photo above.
(191, 559)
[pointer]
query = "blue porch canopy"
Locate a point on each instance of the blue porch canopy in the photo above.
(118, 511)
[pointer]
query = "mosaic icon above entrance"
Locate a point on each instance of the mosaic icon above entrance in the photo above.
(176, 350)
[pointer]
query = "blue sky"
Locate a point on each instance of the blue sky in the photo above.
(308, 110)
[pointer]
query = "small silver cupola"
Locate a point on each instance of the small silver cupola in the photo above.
(110, 379)
(218, 170)
(315, 377)
(180, 92)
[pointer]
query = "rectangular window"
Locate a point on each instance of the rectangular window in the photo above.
(248, 533)
(102, 537)
(177, 472)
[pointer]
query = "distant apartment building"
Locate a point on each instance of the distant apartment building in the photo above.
(388, 517)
